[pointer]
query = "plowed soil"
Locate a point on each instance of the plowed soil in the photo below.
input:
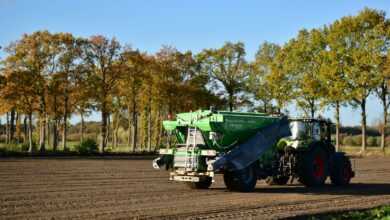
(128, 188)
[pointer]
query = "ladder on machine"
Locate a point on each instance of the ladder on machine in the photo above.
(191, 161)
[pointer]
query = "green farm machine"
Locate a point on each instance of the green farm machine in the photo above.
(246, 147)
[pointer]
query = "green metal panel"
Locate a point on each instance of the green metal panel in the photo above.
(230, 127)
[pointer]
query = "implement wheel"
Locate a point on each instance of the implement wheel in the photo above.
(241, 180)
(313, 167)
(204, 183)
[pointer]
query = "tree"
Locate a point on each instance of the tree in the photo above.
(17, 90)
(134, 65)
(383, 92)
(336, 90)
(361, 46)
(34, 54)
(261, 68)
(303, 62)
(102, 56)
(226, 66)
(280, 82)
(382, 44)
(69, 61)
(82, 94)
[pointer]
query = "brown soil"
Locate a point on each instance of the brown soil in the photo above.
(109, 188)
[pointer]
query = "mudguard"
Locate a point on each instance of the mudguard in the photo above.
(244, 154)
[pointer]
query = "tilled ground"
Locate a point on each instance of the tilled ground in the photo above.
(106, 189)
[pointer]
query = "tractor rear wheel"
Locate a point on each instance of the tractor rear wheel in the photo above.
(204, 183)
(242, 180)
(277, 180)
(341, 170)
(313, 167)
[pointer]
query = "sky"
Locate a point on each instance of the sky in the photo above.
(186, 25)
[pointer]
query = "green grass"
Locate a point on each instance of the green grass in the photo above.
(370, 151)
(381, 213)
(121, 148)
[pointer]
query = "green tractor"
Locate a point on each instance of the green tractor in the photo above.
(246, 147)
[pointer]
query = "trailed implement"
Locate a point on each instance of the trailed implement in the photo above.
(246, 147)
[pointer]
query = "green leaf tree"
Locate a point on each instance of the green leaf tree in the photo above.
(361, 44)
(260, 69)
(303, 62)
(227, 68)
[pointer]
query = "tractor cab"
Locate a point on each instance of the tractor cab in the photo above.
(310, 129)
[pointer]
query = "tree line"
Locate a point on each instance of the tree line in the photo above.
(48, 77)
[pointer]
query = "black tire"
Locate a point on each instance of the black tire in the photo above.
(242, 180)
(341, 170)
(313, 167)
(228, 180)
(204, 183)
(277, 180)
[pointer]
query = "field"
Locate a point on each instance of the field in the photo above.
(127, 188)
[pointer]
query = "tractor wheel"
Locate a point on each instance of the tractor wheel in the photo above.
(341, 170)
(277, 180)
(204, 183)
(242, 180)
(313, 167)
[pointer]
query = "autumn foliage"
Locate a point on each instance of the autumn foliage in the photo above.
(47, 78)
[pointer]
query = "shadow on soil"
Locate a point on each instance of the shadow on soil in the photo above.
(363, 189)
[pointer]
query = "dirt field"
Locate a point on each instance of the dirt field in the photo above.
(106, 189)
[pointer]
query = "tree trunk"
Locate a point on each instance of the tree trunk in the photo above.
(312, 113)
(231, 104)
(149, 131)
(48, 130)
(312, 108)
(103, 129)
(54, 126)
(129, 127)
(82, 127)
(159, 129)
(18, 127)
(30, 128)
(337, 116)
(116, 123)
(134, 127)
(7, 130)
(25, 129)
(364, 124)
(12, 126)
(109, 130)
(55, 135)
(384, 125)
(64, 133)
(42, 132)
(65, 124)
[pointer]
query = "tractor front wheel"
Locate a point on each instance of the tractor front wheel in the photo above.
(341, 170)
(242, 180)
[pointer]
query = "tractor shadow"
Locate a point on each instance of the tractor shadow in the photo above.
(361, 189)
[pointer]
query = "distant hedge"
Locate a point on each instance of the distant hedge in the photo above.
(356, 140)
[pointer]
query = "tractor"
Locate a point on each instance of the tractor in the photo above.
(246, 147)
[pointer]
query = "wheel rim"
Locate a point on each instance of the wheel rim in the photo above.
(319, 168)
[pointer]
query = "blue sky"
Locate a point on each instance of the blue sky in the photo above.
(187, 25)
